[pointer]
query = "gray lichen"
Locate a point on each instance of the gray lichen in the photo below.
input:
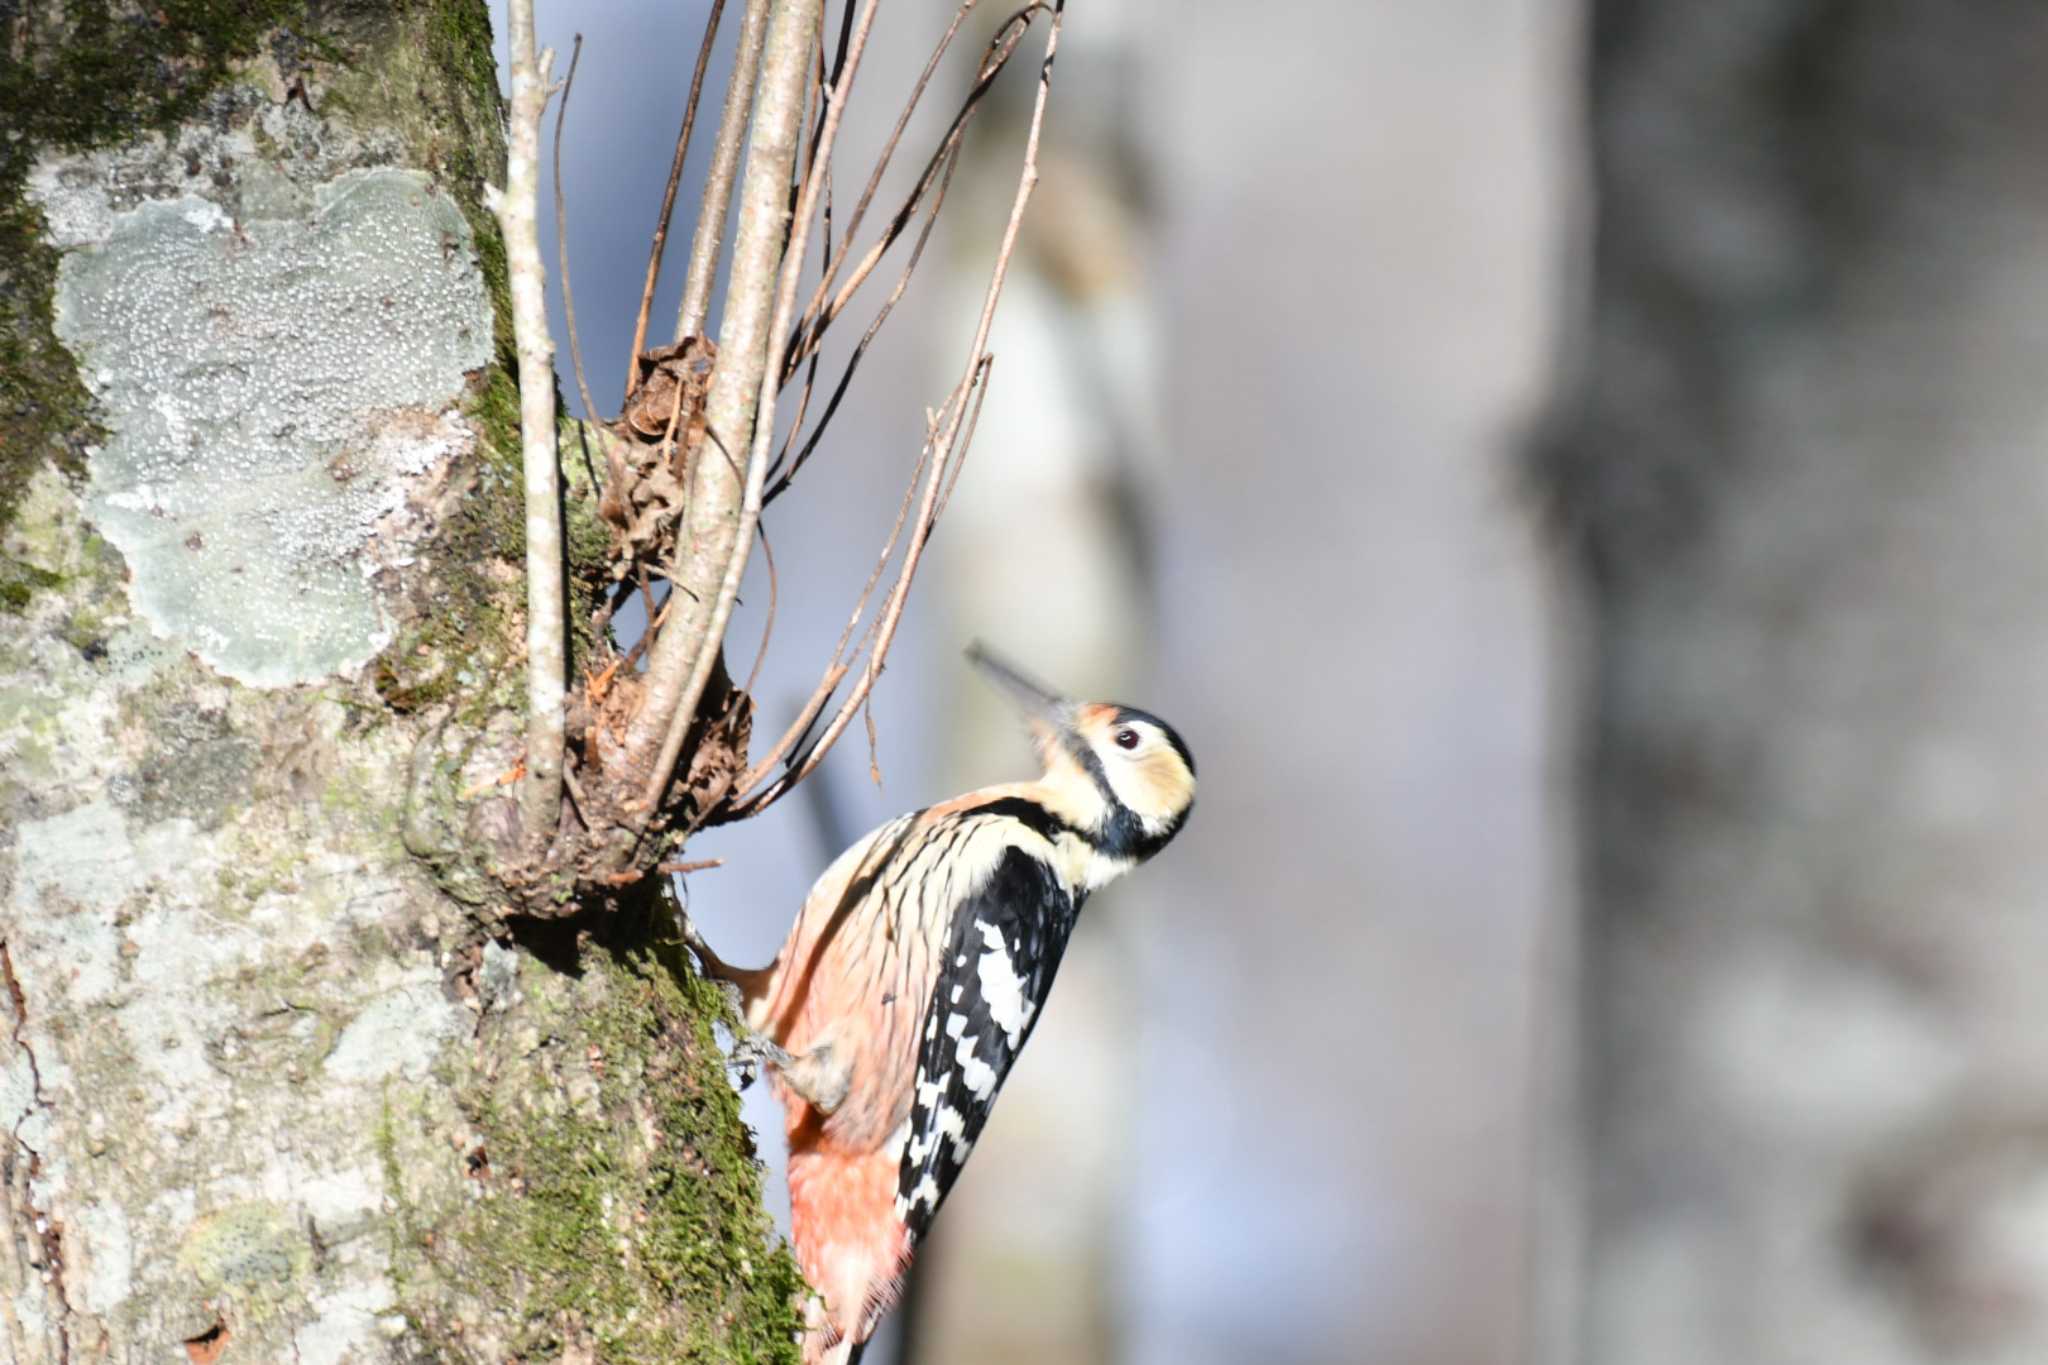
(274, 383)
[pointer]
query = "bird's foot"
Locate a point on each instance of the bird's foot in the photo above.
(751, 1051)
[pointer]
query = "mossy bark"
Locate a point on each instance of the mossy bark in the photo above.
(281, 1080)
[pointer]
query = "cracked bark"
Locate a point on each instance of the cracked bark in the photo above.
(36, 1269)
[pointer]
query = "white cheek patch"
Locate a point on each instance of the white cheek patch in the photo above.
(1126, 780)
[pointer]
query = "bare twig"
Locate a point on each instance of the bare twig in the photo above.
(874, 741)
(711, 537)
(806, 345)
(668, 194)
(725, 164)
(785, 477)
(966, 439)
(946, 448)
(942, 427)
(562, 234)
(774, 148)
(700, 865)
(803, 402)
(837, 669)
(807, 323)
(753, 800)
(517, 209)
(767, 624)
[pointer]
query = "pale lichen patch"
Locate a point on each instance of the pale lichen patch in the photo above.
(253, 1253)
(104, 1245)
(398, 1034)
(83, 855)
(275, 388)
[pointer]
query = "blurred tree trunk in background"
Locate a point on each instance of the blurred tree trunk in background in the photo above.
(277, 1080)
(1808, 471)
(1064, 458)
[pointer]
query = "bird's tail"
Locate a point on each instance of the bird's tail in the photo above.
(851, 1246)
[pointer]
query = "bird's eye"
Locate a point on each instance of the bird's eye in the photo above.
(1127, 739)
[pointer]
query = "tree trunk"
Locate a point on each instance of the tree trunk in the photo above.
(281, 1081)
(1808, 470)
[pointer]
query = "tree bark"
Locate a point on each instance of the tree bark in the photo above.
(1806, 474)
(280, 1080)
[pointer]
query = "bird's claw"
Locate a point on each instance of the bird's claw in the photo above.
(752, 1051)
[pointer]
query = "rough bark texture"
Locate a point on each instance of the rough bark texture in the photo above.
(1809, 475)
(277, 1079)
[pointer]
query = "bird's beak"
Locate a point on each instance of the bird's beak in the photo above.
(1051, 715)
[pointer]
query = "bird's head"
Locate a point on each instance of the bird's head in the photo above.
(1118, 772)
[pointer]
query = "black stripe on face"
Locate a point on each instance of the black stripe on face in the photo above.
(1122, 834)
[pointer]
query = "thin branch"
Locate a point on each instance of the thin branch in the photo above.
(803, 402)
(725, 165)
(711, 537)
(807, 344)
(700, 865)
(946, 446)
(668, 195)
(562, 234)
(966, 440)
(517, 210)
(838, 668)
(768, 624)
(867, 194)
(774, 148)
(825, 83)
(784, 478)
(753, 800)
(803, 397)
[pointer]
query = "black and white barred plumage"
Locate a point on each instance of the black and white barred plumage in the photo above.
(1005, 947)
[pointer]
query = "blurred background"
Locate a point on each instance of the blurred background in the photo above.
(1574, 475)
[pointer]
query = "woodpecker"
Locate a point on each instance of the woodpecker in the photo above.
(914, 975)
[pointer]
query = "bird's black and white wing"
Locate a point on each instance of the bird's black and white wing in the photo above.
(1002, 953)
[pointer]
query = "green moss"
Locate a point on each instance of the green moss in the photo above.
(96, 72)
(45, 412)
(618, 1196)
(19, 582)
